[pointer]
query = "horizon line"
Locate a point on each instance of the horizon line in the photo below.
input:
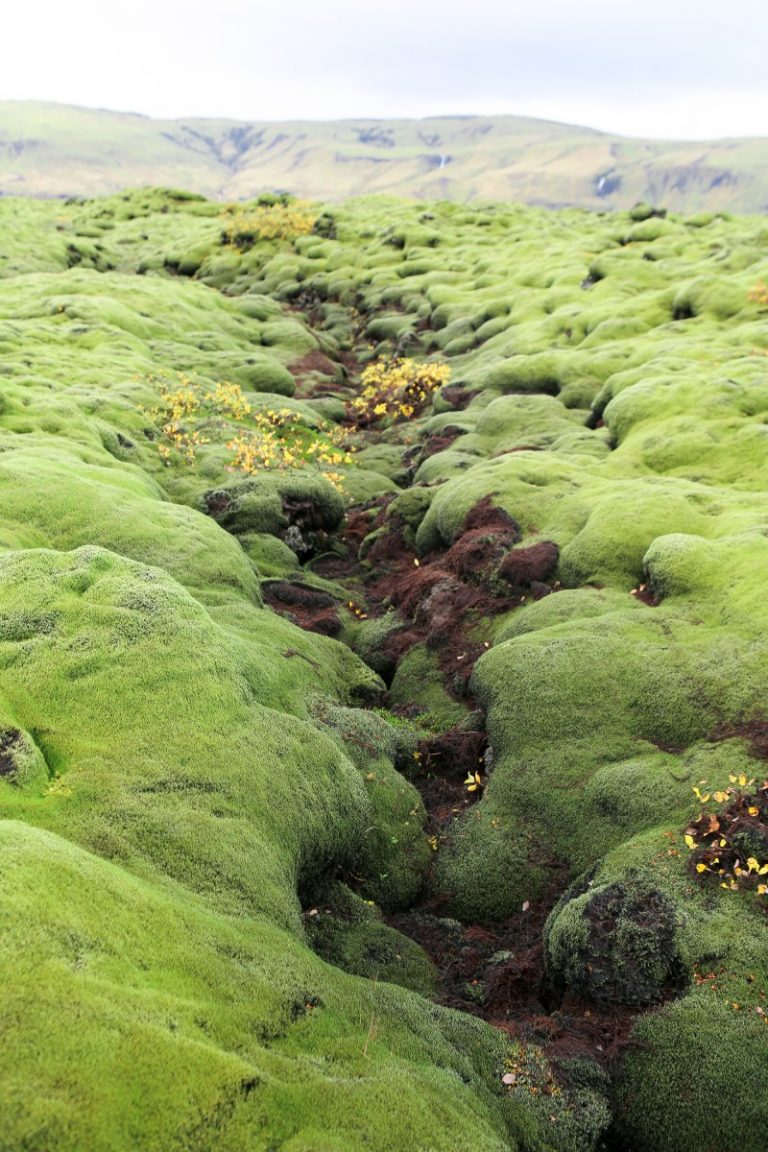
(374, 119)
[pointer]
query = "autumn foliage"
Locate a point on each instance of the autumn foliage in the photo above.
(731, 844)
(395, 390)
(191, 415)
(277, 221)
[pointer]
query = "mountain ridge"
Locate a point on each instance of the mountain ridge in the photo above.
(53, 150)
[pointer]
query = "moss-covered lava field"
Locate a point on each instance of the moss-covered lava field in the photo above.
(383, 678)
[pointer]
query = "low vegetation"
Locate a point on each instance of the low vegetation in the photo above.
(383, 646)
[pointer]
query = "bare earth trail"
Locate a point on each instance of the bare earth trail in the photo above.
(495, 971)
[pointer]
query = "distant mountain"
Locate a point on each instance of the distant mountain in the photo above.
(50, 150)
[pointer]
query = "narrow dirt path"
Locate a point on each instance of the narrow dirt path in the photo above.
(497, 971)
(493, 971)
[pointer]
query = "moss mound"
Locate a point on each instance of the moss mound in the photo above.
(204, 820)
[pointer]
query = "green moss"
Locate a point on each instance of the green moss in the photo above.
(270, 554)
(272, 502)
(386, 459)
(706, 1045)
(197, 1023)
(348, 932)
(411, 506)
(507, 867)
(572, 1120)
(185, 775)
(392, 853)
(698, 1058)
(568, 604)
(268, 376)
(418, 684)
(369, 643)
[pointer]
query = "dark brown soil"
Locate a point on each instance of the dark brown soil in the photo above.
(305, 366)
(485, 514)
(726, 839)
(313, 610)
(444, 594)
(444, 763)
(479, 553)
(496, 972)
(456, 397)
(535, 565)
(438, 443)
(9, 739)
(492, 971)
(342, 562)
(646, 595)
(755, 731)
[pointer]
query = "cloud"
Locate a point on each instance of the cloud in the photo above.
(658, 68)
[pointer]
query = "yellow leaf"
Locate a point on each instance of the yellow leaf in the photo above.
(753, 811)
(752, 864)
(702, 868)
(691, 843)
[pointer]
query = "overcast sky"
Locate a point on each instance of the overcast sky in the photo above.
(666, 68)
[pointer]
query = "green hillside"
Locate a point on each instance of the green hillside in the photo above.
(55, 150)
(383, 664)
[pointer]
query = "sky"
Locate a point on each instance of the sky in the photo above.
(661, 68)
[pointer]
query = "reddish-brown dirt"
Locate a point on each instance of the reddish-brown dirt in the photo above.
(754, 731)
(492, 971)
(497, 972)
(529, 566)
(442, 595)
(311, 609)
(438, 443)
(305, 371)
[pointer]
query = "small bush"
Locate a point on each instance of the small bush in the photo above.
(268, 222)
(395, 390)
(759, 294)
(192, 415)
(282, 440)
